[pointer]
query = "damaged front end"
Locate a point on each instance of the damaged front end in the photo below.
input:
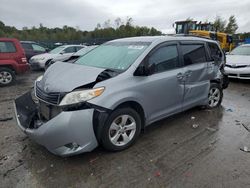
(57, 115)
(62, 132)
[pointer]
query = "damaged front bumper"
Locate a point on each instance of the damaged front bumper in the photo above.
(67, 133)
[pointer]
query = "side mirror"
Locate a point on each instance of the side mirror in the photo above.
(227, 53)
(144, 70)
(141, 71)
(62, 52)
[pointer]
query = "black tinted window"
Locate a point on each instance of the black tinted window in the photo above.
(26, 46)
(165, 58)
(70, 50)
(7, 47)
(78, 48)
(215, 51)
(193, 53)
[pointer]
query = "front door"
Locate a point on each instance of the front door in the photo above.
(164, 88)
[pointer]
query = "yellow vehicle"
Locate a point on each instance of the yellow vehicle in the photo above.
(206, 30)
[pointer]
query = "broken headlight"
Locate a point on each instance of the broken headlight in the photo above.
(80, 96)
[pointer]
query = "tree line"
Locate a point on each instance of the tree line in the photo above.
(109, 30)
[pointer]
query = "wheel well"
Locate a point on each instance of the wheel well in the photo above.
(7, 66)
(137, 107)
(215, 81)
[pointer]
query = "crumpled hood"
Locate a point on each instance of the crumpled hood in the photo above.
(238, 59)
(64, 77)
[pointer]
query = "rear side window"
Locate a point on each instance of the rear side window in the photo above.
(38, 48)
(69, 50)
(216, 54)
(7, 47)
(78, 48)
(164, 58)
(193, 53)
(26, 46)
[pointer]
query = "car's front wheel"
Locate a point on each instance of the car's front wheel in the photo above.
(215, 95)
(121, 129)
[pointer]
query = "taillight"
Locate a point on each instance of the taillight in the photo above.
(24, 60)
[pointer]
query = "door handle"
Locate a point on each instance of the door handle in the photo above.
(180, 76)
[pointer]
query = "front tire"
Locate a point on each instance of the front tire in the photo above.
(215, 95)
(121, 129)
(7, 76)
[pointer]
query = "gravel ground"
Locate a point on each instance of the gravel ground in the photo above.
(197, 148)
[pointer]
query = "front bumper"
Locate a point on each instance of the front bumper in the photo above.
(35, 66)
(68, 133)
(240, 73)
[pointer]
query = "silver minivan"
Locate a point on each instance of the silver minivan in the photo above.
(114, 91)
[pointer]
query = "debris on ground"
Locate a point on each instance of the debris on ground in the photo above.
(192, 117)
(157, 174)
(247, 127)
(6, 119)
(211, 129)
(245, 149)
(4, 158)
(195, 126)
(51, 165)
(8, 171)
(93, 160)
(229, 110)
(41, 170)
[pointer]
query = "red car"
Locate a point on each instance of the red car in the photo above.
(12, 60)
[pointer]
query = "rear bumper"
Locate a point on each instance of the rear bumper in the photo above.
(240, 73)
(22, 68)
(68, 133)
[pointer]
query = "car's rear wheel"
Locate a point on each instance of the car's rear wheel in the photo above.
(121, 129)
(7, 76)
(215, 95)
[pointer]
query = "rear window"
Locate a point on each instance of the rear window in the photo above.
(193, 53)
(7, 47)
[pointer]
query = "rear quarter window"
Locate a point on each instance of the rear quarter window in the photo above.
(7, 47)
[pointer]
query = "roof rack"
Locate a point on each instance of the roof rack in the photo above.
(190, 35)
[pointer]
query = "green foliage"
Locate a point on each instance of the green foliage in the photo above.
(108, 31)
(219, 24)
(229, 26)
(232, 25)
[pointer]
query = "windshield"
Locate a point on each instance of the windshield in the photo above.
(241, 50)
(114, 55)
(56, 50)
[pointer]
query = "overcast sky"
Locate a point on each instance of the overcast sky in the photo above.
(85, 14)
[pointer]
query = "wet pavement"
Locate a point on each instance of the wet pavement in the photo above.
(197, 148)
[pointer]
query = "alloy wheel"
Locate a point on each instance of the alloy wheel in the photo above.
(122, 130)
(214, 97)
(5, 77)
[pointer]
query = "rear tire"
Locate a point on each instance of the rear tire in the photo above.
(121, 129)
(215, 96)
(7, 76)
